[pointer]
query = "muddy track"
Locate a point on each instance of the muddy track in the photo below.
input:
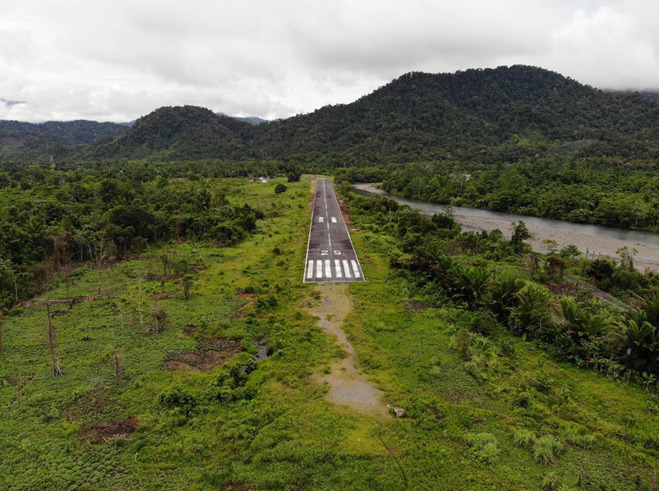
(347, 386)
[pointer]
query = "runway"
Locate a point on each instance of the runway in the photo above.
(331, 257)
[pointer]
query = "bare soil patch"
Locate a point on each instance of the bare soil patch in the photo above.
(416, 306)
(246, 296)
(162, 296)
(209, 354)
(118, 429)
(346, 215)
(94, 405)
(564, 288)
(190, 329)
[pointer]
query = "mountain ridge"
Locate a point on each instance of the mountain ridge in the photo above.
(504, 113)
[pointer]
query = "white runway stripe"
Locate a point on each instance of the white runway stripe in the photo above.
(337, 269)
(310, 270)
(319, 269)
(346, 268)
(328, 269)
(355, 268)
(333, 219)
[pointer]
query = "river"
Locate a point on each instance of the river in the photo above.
(592, 240)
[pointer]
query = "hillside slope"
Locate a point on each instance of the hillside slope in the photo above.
(179, 133)
(474, 114)
(54, 139)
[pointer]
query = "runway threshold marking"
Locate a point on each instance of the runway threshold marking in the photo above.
(346, 268)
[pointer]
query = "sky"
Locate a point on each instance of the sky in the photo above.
(118, 60)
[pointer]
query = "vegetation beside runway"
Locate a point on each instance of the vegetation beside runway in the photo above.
(160, 387)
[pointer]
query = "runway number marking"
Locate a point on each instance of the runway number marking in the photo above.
(333, 219)
(321, 219)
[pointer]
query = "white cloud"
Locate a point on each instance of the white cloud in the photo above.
(118, 60)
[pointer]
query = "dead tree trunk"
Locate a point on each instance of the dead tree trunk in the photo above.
(117, 365)
(52, 342)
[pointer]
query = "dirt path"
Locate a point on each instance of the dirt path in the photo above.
(347, 386)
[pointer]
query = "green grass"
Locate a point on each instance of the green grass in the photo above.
(465, 414)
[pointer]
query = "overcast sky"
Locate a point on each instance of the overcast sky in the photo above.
(118, 60)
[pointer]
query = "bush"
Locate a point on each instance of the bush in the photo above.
(524, 438)
(280, 188)
(179, 399)
(266, 301)
(483, 447)
(546, 449)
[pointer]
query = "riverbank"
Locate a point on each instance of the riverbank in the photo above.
(591, 246)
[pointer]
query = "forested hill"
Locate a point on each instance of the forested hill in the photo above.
(502, 114)
(180, 133)
(56, 139)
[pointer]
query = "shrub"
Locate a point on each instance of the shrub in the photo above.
(483, 447)
(546, 449)
(179, 399)
(524, 438)
(503, 295)
(266, 301)
(280, 188)
(580, 439)
(549, 481)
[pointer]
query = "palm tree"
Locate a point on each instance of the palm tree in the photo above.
(470, 284)
(503, 295)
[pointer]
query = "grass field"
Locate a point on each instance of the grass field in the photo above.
(188, 409)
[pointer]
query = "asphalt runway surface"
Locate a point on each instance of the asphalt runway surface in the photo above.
(331, 258)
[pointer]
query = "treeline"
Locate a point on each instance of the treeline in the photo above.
(500, 284)
(53, 218)
(597, 191)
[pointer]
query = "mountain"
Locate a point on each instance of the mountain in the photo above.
(249, 119)
(179, 133)
(501, 114)
(54, 139)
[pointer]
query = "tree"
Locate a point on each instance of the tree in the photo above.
(627, 257)
(520, 234)
(470, 284)
(552, 246)
(280, 188)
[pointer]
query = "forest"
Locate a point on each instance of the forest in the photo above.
(55, 220)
